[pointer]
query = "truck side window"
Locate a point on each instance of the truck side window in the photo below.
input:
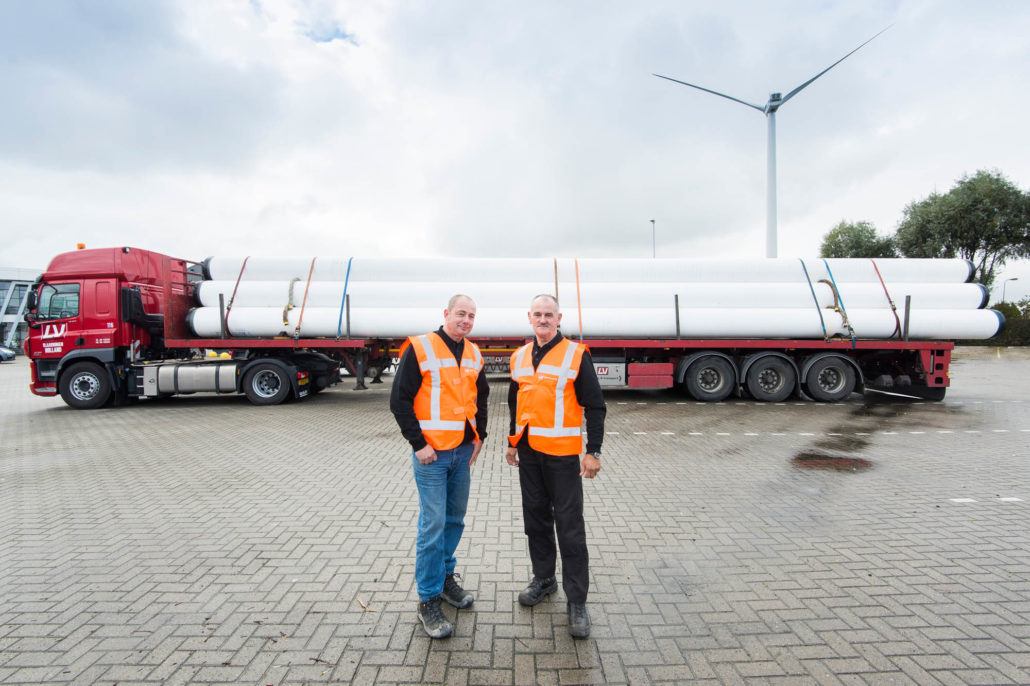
(58, 301)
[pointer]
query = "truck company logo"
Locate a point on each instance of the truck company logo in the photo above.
(54, 330)
(603, 371)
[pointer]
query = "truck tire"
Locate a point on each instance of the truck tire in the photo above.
(85, 386)
(830, 380)
(266, 384)
(771, 379)
(710, 379)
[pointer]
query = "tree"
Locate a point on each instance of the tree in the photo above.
(985, 218)
(1024, 307)
(857, 239)
(1010, 310)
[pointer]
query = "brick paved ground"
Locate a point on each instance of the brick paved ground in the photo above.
(202, 540)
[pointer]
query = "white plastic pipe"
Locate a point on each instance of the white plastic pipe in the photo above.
(519, 295)
(396, 322)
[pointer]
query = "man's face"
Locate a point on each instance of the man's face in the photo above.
(458, 320)
(544, 317)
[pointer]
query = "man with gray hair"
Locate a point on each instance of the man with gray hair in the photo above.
(439, 399)
(545, 443)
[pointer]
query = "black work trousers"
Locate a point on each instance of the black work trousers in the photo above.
(552, 497)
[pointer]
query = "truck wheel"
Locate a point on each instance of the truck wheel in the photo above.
(771, 379)
(710, 379)
(266, 384)
(830, 380)
(86, 386)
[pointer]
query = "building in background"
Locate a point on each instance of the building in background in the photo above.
(14, 296)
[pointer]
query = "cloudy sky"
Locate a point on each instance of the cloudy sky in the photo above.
(500, 128)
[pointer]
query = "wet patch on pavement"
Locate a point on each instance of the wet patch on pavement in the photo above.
(833, 463)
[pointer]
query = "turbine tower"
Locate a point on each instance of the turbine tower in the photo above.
(769, 110)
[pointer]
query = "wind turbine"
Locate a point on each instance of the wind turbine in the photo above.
(769, 110)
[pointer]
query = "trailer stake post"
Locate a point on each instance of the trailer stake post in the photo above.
(908, 310)
(221, 313)
(676, 298)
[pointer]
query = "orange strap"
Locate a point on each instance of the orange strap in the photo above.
(579, 302)
(304, 303)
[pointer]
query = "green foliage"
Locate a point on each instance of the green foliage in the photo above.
(1024, 307)
(856, 239)
(985, 218)
(1010, 310)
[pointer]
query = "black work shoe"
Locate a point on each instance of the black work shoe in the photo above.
(537, 590)
(433, 621)
(579, 620)
(454, 594)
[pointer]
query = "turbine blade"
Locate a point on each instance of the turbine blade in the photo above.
(708, 90)
(797, 90)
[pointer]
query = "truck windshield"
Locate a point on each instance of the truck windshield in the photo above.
(58, 301)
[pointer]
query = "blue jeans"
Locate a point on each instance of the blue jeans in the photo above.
(443, 495)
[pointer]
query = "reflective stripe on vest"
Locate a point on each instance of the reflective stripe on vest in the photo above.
(440, 432)
(520, 368)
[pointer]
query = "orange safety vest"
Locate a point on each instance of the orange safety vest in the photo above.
(546, 404)
(447, 397)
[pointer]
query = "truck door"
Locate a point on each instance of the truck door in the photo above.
(55, 329)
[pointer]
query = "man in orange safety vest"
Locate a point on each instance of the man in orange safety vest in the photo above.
(553, 385)
(439, 399)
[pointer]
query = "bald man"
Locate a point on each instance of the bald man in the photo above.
(439, 400)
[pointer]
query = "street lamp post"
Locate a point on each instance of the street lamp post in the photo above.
(652, 239)
(1005, 283)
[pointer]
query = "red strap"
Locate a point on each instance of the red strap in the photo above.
(232, 298)
(894, 308)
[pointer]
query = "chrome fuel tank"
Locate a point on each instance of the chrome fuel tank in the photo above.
(195, 377)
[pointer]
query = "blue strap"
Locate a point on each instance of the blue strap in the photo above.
(343, 300)
(840, 300)
(818, 309)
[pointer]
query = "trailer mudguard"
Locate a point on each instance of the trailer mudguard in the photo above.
(684, 364)
(859, 378)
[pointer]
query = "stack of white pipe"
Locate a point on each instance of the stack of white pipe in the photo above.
(611, 298)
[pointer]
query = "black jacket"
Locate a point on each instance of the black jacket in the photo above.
(408, 380)
(588, 395)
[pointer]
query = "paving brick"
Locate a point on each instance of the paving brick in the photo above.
(276, 545)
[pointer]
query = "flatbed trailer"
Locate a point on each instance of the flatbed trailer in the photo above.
(108, 326)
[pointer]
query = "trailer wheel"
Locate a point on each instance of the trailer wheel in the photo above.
(771, 379)
(266, 384)
(830, 380)
(710, 379)
(86, 386)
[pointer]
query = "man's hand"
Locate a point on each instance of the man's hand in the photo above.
(476, 447)
(511, 455)
(426, 455)
(589, 466)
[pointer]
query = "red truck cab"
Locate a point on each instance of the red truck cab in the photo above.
(97, 310)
